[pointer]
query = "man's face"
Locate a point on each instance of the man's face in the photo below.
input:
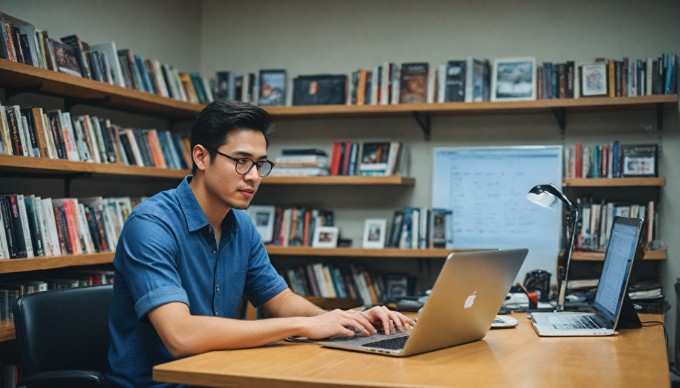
(223, 182)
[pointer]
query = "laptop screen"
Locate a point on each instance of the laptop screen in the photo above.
(618, 262)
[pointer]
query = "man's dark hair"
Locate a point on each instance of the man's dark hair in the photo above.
(221, 116)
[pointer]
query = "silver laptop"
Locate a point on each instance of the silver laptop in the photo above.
(612, 308)
(464, 301)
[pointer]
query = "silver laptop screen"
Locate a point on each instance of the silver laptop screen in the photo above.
(617, 265)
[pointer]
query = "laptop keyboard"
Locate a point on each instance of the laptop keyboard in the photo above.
(396, 343)
(575, 322)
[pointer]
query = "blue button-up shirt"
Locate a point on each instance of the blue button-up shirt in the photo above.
(167, 252)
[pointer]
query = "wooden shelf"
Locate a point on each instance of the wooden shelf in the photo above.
(449, 108)
(18, 77)
(387, 253)
(30, 165)
(54, 262)
(392, 180)
(614, 182)
(661, 254)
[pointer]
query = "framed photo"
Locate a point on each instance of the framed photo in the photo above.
(374, 233)
(320, 89)
(397, 286)
(263, 218)
(272, 87)
(594, 80)
(513, 79)
(639, 160)
(326, 237)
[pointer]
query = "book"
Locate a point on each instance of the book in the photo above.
(116, 71)
(80, 50)
(379, 158)
(225, 87)
(413, 82)
(454, 83)
(272, 85)
(14, 247)
(33, 210)
(16, 132)
(322, 89)
(477, 80)
(66, 58)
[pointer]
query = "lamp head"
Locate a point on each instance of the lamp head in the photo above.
(546, 196)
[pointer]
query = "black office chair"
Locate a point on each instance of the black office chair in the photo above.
(63, 336)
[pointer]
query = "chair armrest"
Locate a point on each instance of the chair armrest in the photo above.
(63, 378)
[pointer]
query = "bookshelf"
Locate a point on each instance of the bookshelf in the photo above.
(18, 78)
(608, 184)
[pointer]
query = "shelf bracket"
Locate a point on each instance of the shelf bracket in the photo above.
(424, 120)
(561, 116)
(659, 116)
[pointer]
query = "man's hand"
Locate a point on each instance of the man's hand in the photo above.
(350, 322)
(337, 322)
(381, 316)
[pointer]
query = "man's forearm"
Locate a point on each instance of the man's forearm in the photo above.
(290, 304)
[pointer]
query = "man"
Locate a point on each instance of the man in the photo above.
(185, 257)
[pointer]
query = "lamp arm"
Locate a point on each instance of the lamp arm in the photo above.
(571, 224)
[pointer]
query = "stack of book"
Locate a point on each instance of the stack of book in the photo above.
(54, 134)
(22, 42)
(415, 227)
(301, 162)
(33, 226)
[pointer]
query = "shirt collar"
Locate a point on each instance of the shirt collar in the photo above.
(193, 214)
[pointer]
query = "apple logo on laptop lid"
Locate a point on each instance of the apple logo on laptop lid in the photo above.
(470, 300)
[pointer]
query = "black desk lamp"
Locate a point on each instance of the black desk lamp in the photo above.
(546, 195)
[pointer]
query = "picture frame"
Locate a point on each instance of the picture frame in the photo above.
(640, 160)
(375, 230)
(397, 285)
(325, 237)
(263, 217)
(323, 89)
(513, 79)
(272, 89)
(594, 80)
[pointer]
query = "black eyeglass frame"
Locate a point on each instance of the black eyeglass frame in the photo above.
(239, 162)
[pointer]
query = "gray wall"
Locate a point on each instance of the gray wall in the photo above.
(307, 37)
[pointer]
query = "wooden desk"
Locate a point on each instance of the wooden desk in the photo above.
(504, 358)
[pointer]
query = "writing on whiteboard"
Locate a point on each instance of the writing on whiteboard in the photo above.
(486, 188)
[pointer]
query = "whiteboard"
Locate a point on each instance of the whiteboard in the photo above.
(486, 187)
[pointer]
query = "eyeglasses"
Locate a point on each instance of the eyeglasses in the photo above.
(244, 165)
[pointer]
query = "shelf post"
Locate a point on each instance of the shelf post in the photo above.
(561, 116)
(424, 121)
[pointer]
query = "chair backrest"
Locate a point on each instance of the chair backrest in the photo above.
(64, 329)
